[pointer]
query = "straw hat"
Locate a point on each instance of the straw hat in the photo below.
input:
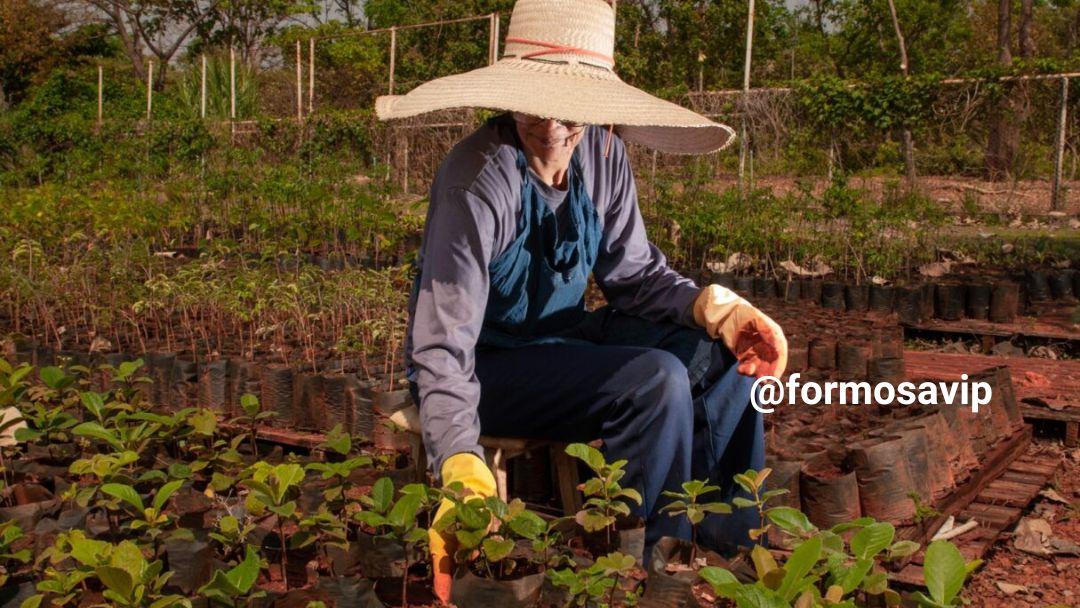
(559, 63)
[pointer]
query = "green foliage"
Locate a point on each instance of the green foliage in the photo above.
(687, 503)
(945, 571)
(596, 585)
(605, 498)
(235, 587)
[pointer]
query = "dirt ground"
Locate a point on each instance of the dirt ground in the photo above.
(1031, 580)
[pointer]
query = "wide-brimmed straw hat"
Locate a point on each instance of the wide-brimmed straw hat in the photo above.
(559, 63)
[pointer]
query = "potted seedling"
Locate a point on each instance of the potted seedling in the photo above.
(335, 474)
(126, 577)
(823, 569)
(393, 524)
(235, 587)
(253, 415)
(606, 515)
(597, 584)
(493, 569)
(271, 488)
(152, 522)
(11, 558)
(231, 534)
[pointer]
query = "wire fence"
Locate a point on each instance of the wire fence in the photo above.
(783, 141)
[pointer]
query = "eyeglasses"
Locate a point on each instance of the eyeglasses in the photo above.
(531, 121)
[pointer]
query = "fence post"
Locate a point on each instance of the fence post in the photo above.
(232, 84)
(1059, 148)
(100, 95)
(311, 75)
(393, 56)
(743, 144)
(149, 88)
(202, 90)
(493, 37)
(299, 84)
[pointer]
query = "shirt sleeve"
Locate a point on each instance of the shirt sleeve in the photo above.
(633, 273)
(447, 319)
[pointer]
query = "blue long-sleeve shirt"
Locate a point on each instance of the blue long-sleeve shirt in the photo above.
(472, 218)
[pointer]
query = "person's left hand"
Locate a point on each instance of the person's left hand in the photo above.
(756, 340)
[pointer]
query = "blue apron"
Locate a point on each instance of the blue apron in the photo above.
(537, 285)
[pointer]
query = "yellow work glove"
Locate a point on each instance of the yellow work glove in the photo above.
(756, 340)
(468, 469)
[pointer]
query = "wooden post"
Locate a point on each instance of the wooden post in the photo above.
(1059, 148)
(311, 76)
(405, 173)
(232, 84)
(908, 143)
(100, 95)
(149, 88)
(393, 55)
(743, 144)
(493, 38)
(299, 84)
(202, 90)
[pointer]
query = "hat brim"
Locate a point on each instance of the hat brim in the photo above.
(571, 92)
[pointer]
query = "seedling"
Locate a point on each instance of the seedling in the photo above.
(590, 586)
(489, 528)
(606, 498)
(234, 587)
(10, 532)
(271, 490)
(250, 419)
(945, 571)
(231, 533)
(686, 503)
(753, 483)
(923, 510)
(152, 520)
(337, 474)
(398, 519)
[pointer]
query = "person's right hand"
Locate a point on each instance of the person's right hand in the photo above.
(469, 470)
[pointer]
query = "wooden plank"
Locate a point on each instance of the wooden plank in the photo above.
(1022, 476)
(1038, 412)
(996, 462)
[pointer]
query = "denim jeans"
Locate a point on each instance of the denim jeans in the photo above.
(663, 396)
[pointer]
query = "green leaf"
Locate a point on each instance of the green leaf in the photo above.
(93, 402)
(116, 579)
(472, 515)
(124, 493)
(165, 492)
(94, 430)
(763, 561)
(528, 525)
(337, 440)
(470, 539)
(497, 549)
(593, 521)
(34, 601)
(250, 404)
(798, 565)
(382, 495)
(204, 422)
(721, 580)
(631, 494)
(403, 514)
(944, 570)
(590, 455)
(903, 548)
(54, 377)
(872, 539)
(854, 575)
(743, 503)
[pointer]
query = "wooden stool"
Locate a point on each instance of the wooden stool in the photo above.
(497, 451)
